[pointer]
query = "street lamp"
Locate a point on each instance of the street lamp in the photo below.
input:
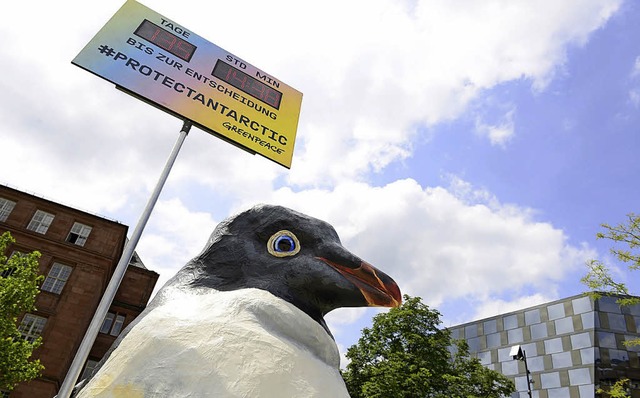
(518, 353)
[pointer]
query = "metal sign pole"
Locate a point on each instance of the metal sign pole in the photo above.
(121, 268)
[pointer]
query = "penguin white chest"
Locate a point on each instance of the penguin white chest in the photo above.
(243, 343)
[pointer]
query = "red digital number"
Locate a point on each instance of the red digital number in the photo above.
(183, 50)
(232, 77)
(248, 84)
(272, 98)
(257, 89)
(164, 39)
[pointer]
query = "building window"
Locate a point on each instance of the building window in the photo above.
(79, 234)
(564, 325)
(490, 327)
(485, 357)
(9, 271)
(588, 320)
(588, 355)
(521, 384)
(57, 278)
(6, 207)
(538, 331)
(536, 364)
(89, 367)
(586, 390)
(503, 354)
(619, 357)
(31, 326)
(556, 311)
(579, 376)
(552, 346)
(580, 340)
(550, 380)
(531, 349)
(112, 324)
(606, 340)
(510, 368)
(562, 360)
(515, 336)
(558, 392)
(471, 331)
(493, 340)
(609, 304)
(40, 222)
(617, 322)
(581, 305)
(510, 322)
(532, 317)
(474, 344)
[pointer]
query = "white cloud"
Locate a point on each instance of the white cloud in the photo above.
(634, 97)
(371, 73)
(634, 91)
(635, 70)
(344, 361)
(174, 235)
(439, 246)
(447, 56)
(494, 306)
(498, 134)
(345, 316)
(445, 245)
(467, 193)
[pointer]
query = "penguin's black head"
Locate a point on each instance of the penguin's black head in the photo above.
(293, 256)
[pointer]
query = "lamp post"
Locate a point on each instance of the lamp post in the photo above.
(517, 353)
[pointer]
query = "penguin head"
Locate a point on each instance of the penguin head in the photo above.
(293, 256)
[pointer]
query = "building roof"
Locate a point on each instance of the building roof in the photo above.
(136, 261)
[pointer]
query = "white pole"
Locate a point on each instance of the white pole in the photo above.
(121, 268)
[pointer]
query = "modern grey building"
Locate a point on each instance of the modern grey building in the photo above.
(572, 346)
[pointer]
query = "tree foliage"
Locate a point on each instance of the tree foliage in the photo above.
(618, 390)
(405, 355)
(599, 279)
(626, 250)
(19, 282)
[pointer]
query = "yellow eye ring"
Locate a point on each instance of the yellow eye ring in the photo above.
(283, 244)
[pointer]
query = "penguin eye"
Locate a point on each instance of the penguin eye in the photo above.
(283, 243)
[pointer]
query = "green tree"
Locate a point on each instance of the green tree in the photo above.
(405, 355)
(599, 279)
(618, 390)
(626, 249)
(19, 282)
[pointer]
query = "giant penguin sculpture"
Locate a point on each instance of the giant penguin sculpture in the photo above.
(245, 317)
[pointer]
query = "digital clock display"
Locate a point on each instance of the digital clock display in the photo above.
(164, 64)
(165, 40)
(247, 84)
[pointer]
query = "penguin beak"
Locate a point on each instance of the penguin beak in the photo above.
(378, 289)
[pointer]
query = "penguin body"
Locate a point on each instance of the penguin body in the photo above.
(242, 343)
(245, 317)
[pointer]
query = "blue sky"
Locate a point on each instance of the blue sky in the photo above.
(468, 149)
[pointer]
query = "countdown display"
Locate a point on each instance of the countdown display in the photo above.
(247, 84)
(161, 62)
(167, 40)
